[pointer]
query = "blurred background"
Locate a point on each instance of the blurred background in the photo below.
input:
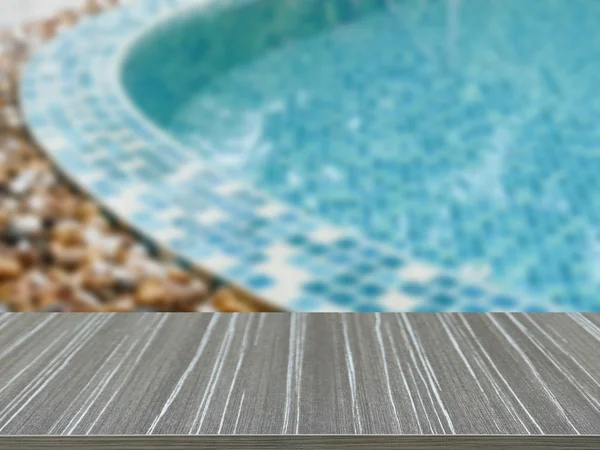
(469, 140)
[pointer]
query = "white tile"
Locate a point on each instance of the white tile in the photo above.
(133, 165)
(228, 189)
(272, 210)
(171, 213)
(128, 201)
(398, 302)
(168, 234)
(417, 271)
(289, 279)
(217, 262)
(186, 173)
(327, 235)
(210, 216)
(475, 273)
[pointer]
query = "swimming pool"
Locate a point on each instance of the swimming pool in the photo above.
(344, 155)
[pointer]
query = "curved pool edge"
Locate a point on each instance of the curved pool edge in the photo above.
(102, 142)
(164, 250)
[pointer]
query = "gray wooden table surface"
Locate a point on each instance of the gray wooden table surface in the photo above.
(416, 380)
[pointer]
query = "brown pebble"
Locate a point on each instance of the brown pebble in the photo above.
(49, 28)
(68, 257)
(121, 304)
(21, 298)
(151, 292)
(10, 268)
(186, 296)
(58, 275)
(92, 7)
(185, 307)
(68, 17)
(28, 257)
(6, 290)
(85, 211)
(85, 302)
(124, 284)
(178, 275)
(63, 204)
(97, 280)
(122, 254)
(225, 300)
(100, 223)
(47, 298)
(65, 292)
(4, 220)
(68, 233)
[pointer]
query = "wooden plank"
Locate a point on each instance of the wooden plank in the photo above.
(409, 376)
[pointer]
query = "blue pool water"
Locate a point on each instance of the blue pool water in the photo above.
(463, 132)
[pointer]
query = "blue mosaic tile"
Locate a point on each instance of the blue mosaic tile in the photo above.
(443, 301)
(481, 170)
(473, 308)
(307, 304)
(260, 282)
(341, 298)
(414, 289)
(445, 282)
(371, 290)
(472, 292)
(505, 302)
(346, 279)
(367, 308)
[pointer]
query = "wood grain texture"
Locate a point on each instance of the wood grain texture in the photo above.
(275, 376)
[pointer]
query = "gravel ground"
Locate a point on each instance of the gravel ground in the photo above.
(58, 250)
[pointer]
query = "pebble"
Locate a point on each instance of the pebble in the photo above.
(4, 220)
(110, 246)
(36, 203)
(9, 117)
(10, 205)
(151, 292)
(125, 282)
(27, 256)
(97, 281)
(10, 237)
(86, 211)
(123, 303)
(38, 278)
(23, 182)
(225, 300)
(189, 294)
(10, 268)
(83, 301)
(68, 233)
(68, 257)
(27, 224)
(92, 7)
(205, 308)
